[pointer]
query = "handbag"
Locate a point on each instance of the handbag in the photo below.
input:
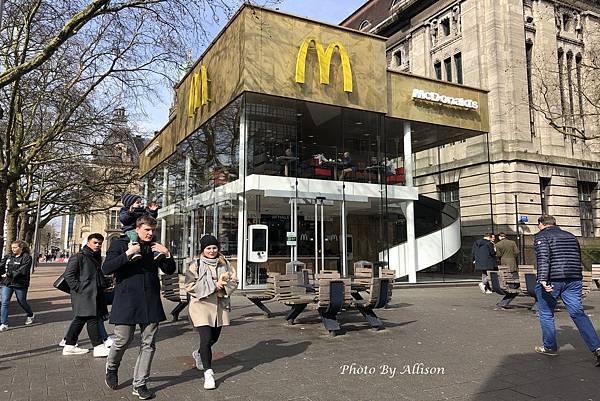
(61, 284)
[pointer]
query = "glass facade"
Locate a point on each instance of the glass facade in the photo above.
(321, 178)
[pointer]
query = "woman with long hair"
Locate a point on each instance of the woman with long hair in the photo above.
(15, 271)
(209, 280)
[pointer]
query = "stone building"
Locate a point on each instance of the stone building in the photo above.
(542, 154)
(120, 151)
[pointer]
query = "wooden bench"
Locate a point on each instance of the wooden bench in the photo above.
(505, 285)
(257, 298)
(334, 295)
(379, 297)
(172, 290)
(528, 281)
(289, 289)
(596, 275)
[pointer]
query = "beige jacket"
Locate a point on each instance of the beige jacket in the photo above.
(213, 310)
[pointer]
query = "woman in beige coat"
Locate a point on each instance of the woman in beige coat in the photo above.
(209, 280)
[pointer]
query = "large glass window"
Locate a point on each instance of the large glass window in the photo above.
(458, 67)
(437, 69)
(529, 60)
(213, 150)
(586, 212)
(449, 194)
(544, 193)
(448, 69)
(308, 140)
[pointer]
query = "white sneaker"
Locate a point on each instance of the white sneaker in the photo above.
(482, 287)
(489, 292)
(209, 380)
(29, 320)
(3, 327)
(101, 351)
(198, 360)
(109, 342)
(63, 342)
(74, 350)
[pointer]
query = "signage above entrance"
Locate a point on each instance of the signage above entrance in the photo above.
(324, 59)
(419, 94)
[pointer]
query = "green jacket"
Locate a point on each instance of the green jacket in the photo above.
(507, 251)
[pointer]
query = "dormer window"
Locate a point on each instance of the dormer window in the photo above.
(445, 26)
(363, 25)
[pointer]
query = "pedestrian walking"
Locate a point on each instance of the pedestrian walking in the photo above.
(87, 284)
(15, 272)
(209, 280)
(559, 274)
(484, 259)
(507, 250)
(136, 301)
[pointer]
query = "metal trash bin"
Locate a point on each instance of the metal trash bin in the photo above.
(294, 266)
(362, 264)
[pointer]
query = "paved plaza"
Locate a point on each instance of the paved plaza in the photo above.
(440, 343)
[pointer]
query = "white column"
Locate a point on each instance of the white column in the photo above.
(411, 242)
(408, 161)
(241, 240)
(343, 238)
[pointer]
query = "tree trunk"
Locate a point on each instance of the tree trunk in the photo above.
(3, 193)
(12, 216)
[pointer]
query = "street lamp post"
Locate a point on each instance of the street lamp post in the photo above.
(36, 243)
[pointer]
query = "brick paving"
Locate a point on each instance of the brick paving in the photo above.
(485, 353)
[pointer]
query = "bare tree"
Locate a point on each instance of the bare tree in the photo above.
(67, 64)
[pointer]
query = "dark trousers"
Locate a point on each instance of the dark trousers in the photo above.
(208, 337)
(77, 326)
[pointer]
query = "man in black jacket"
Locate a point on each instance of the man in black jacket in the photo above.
(87, 284)
(484, 259)
(136, 301)
(559, 275)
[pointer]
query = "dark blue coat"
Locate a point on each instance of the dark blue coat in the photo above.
(137, 290)
(128, 218)
(484, 255)
(558, 255)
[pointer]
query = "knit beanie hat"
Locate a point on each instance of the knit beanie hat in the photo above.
(208, 240)
(129, 199)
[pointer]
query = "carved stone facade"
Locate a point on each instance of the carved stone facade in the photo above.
(512, 48)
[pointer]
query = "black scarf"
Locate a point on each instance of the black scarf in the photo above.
(96, 257)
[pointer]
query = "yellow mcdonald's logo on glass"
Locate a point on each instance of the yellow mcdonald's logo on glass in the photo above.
(198, 94)
(324, 59)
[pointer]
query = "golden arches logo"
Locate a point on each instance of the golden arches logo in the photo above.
(324, 59)
(198, 94)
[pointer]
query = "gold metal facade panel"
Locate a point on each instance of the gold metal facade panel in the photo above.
(402, 105)
(224, 67)
(272, 43)
(167, 141)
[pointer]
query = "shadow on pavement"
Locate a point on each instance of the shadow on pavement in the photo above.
(263, 352)
(571, 375)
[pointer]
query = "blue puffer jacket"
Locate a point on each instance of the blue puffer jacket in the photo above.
(558, 255)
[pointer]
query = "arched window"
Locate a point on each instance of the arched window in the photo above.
(364, 24)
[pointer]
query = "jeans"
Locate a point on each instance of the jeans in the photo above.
(570, 293)
(7, 292)
(124, 336)
(76, 327)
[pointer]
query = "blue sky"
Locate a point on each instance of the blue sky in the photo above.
(330, 11)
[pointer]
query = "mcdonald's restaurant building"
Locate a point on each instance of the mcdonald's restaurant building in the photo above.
(290, 140)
